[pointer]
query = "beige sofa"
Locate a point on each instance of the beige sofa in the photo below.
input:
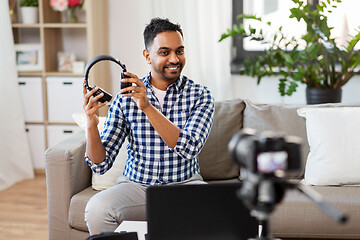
(69, 179)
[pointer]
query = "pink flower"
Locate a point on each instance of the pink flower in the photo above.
(73, 3)
(62, 5)
(59, 5)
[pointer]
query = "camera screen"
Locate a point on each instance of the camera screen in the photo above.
(270, 162)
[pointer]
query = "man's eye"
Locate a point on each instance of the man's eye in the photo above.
(164, 53)
(180, 52)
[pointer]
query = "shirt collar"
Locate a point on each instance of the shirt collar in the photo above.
(177, 85)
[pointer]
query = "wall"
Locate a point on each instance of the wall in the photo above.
(127, 19)
(125, 37)
(267, 92)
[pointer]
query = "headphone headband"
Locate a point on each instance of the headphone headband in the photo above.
(97, 59)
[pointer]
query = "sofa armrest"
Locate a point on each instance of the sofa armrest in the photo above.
(66, 175)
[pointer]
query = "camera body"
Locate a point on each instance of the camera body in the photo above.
(266, 160)
(267, 153)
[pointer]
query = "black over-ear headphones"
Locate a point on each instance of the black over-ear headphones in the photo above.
(107, 96)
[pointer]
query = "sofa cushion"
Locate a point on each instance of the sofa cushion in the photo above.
(298, 217)
(108, 179)
(214, 159)
(77, 208)
(279, 118)
(283, 118)
(334, 152)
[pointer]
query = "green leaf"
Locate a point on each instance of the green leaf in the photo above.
(353, 41)
(282, 86)
(296, 13)
(236, 28)
(288, 60)
(313, 50)
(29, 3)
(291, 88)
(244, 16)
(252, 30)
(324, 27)
(223, 36)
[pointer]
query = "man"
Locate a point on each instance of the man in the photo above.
(166, 118)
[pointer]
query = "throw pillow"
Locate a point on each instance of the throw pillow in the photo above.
(214, 160)
(280, 118)
(108, 179)
(334, 157)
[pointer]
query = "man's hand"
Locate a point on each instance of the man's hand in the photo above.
(138, 92)
(95, 151)
(91, 106)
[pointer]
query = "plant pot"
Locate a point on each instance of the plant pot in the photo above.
(29, 15)
(318, 96)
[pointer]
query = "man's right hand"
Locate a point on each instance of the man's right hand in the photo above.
(91, 106)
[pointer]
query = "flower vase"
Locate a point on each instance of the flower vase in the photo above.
(71, 15)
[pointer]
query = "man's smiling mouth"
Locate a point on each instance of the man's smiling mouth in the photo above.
(173, 68)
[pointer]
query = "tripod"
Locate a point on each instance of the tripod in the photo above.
(261, 194)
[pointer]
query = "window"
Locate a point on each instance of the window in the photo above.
(344, 19)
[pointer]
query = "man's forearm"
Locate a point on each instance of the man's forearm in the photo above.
(95, 151)
(168, 131)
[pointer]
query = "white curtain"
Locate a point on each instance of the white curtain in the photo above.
(15, 160)
(203, 22)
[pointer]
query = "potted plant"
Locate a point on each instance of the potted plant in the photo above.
(315, 59)
(29, 11)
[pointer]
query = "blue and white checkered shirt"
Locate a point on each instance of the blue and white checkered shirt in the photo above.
(150, 161)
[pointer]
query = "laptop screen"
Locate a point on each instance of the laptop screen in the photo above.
(206, 211)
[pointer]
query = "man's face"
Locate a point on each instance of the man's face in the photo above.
(166, 56)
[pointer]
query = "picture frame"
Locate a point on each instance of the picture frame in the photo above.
(65, 61)
(28, 57)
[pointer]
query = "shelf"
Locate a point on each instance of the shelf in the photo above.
(62, 123)
(63, 74)
(48, 74)
(64, 25)
(30, 74)
(50, 25)
(35, 123)
(22, 25)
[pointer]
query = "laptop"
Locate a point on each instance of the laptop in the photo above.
(198, 212)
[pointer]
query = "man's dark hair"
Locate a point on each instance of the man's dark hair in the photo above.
(158, 25)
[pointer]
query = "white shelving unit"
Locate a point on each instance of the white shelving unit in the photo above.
(49, 96)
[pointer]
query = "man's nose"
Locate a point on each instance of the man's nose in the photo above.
(173, 58)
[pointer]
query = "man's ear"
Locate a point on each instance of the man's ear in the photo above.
(146, 54)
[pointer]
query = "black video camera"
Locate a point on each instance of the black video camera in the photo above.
(267, 153)
(266, 160)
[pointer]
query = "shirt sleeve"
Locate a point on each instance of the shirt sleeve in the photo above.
(112, 137)
(192, 138)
